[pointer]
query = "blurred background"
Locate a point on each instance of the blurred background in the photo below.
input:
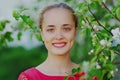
(21, 48)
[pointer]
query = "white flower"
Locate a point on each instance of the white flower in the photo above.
(116, 70)
(91, 52)
(97, 28)
(112, 73)
(115, 42)
(93, 34)
(106, 57)
(105, 43)
(97, 65)
(116, 36)
(83, 22)
(116, 33)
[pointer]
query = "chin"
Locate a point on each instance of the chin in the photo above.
(61, 53)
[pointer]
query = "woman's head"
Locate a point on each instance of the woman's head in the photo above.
(58, 28)
(60, 5)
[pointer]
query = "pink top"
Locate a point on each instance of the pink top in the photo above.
(34, 74)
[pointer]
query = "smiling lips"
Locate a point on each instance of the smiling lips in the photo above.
(59, 44)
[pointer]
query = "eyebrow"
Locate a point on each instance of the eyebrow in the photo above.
(62, 25)
(51, 26)
(66, 25)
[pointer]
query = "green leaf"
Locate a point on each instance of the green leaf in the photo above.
(74, 70)
(25, 17)
(95, 72)
(97, 49)
(81, 5)
(97, 1)
(1, 27)
(109, 76)
(2, 40)
(30, 23)
(16, 15)
(19, 35)
(88, 32)
(3, 24)
(102, 59)
(66, 78)
(92, 6)
(26, 27)
(38, 36)
(118, 13)
(8, 36)
(23, 9)
(108, 16)
(99, 35)
(110, 66)
(93, 60)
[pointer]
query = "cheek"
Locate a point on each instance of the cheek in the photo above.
(47, 41)
(47, 38)
(71, 37)
(71, 40)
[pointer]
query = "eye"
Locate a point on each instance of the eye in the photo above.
(50, 30)
(67, 29)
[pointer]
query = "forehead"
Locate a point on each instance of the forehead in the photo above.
(57, 15)
(57, 10)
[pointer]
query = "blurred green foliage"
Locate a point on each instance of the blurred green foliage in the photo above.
(16, 59)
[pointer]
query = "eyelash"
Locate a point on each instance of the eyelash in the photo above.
(67, 29)
(50, 30)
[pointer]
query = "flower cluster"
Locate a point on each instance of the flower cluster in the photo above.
(116, 36)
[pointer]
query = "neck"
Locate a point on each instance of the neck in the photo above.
(59, 61)
(58, 65)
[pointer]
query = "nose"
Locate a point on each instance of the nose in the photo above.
(59, 35)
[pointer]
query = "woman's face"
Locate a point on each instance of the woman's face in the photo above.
(58, 31)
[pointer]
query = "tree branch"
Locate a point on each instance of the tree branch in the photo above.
(117, 53)
(110, 11)
(98, 20)
(92, 27)
(116, 63)
(89, 23)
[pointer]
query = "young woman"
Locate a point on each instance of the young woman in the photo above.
(58, 27)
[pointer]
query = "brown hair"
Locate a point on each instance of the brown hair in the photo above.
(59, 5)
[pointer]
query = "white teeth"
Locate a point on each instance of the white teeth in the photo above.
(59, 45)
